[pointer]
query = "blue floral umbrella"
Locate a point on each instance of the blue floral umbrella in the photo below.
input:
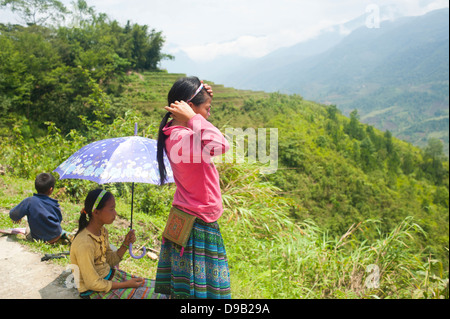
(123, 159)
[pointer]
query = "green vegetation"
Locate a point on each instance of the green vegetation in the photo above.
(53, 73)
(396, 76)
(346, 203)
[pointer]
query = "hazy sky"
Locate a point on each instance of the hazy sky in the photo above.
(207, 28)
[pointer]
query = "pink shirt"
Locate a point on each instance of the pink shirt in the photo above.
(190, 150)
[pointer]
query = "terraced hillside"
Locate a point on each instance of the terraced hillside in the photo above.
(147, 92)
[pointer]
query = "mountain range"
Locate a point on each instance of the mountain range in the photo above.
(396, 76)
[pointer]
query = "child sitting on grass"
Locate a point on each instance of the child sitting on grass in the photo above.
(91, 254)
(43, 212)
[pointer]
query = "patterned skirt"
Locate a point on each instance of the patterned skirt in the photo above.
(201, 271)
(147, 291)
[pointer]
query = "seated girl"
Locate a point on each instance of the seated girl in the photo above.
(92, 256)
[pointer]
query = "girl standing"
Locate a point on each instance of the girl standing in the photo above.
(200, 269)
(90, 252)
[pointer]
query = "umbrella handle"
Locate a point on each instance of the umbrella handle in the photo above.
(131, 252)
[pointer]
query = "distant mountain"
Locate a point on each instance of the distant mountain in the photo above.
(223, 68)
(396, 76)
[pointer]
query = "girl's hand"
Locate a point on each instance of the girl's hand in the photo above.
(130, 238)
(135, 282)
(181, 111)
(208, 88)
(132, 283)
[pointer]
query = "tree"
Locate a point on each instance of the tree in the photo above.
(434, 149)
(146, 47)
(393, 162)
(15, 85)
(407, 164)
(49, 73)
(388, 142)
(354, 129)
(37, 12)
(332, 112)
(367, 158)
(81, 13)
(432, 162)
(376, 140)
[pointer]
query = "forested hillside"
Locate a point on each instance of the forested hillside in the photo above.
(345, 195)
(396, 75)
(53, 73)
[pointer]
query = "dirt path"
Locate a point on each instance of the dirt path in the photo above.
(24, 276)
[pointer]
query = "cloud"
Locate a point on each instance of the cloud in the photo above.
(299, 22)
(246, 46)
(435, 5)
(409, 7)
(254, 46)
(248, 28)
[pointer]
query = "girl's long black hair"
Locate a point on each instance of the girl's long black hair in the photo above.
(182, 90)
(89, 207)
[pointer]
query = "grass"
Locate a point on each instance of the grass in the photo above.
(270, 254)
(16, 189)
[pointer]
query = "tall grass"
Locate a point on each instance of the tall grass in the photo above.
(273, 256)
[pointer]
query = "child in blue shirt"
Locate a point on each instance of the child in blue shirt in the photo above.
(43, 213)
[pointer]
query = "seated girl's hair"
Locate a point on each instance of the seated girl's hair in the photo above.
(88, 207)
(183, 89)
